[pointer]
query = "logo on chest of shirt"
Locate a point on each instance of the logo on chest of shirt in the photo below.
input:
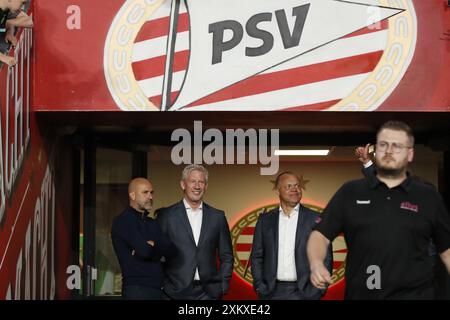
(409, 206)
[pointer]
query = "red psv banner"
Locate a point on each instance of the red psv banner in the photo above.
(260, 55)
(256, 55)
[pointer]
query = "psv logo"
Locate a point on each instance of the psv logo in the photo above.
(253, 30)
(258, 55)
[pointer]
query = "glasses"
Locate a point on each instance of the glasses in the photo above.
(292, 186)
(383, 146)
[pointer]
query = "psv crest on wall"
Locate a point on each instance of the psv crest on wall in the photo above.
(258, 55)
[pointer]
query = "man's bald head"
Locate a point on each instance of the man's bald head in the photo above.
(140, 192)
(135, 183)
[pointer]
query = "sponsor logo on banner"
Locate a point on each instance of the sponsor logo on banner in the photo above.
(242, 239)
(258, 55)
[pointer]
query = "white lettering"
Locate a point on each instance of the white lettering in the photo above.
(74, 279)
(73, 22)
(235, 139)
(374, 281)
(18, 276)
(28, 263)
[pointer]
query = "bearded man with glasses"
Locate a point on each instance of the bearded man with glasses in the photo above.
(388, 220)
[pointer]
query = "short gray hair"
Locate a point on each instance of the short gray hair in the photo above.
(194, 167)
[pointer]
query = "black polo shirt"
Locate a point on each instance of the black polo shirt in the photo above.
(391, 229)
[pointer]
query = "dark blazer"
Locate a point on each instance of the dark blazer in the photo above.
(214, 242)
(264, 257)
(369, 171)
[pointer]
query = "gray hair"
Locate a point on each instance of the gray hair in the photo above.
(194, 167)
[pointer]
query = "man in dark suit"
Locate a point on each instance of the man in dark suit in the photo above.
(280, 267)
(201, 235)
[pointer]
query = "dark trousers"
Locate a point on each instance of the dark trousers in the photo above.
(195, 292)
(284, 291)
(137, 292)
(198, 293)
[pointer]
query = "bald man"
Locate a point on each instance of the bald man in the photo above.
(140, 244)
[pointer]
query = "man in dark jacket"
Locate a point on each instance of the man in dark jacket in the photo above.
(279, 262)
(139, 244)
(202, 266)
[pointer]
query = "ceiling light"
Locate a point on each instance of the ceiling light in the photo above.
(323, 152)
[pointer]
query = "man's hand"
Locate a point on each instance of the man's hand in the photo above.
(10, 61)
(149, 242)
(445, 256)
(362, 153)
(22, 20)
(10, 38)
(320, 277)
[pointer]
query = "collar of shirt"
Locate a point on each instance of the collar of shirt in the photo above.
(140, 214)
(188, 207)
(375, 182)
(293, 213)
